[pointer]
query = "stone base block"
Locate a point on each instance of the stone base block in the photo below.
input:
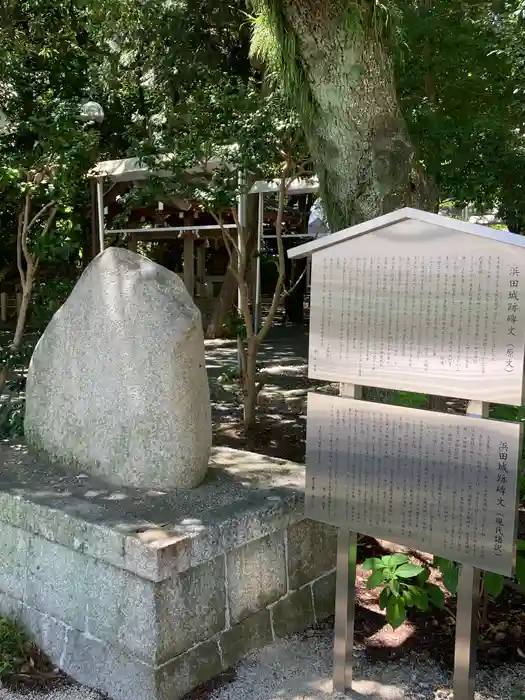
(148, 594)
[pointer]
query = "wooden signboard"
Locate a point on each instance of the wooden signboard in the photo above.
(417, 307)
(417, 302)
(435, 482)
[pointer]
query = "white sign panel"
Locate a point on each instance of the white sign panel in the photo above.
(439, 483)
(441, 312)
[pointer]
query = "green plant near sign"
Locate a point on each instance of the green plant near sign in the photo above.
(493, 584)
(404, 585)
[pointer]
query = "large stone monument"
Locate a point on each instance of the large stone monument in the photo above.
(130, 570)
(117, 385)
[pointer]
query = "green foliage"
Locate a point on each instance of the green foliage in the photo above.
(461, 77)
(493, 584)
(404, 586)
(235, 326)
(14, 648)
(504, 412)
(450, 573)
(409, 399)
(12, 403)
(275, 43)
(378, 20)
(49, 296)
(46, 150)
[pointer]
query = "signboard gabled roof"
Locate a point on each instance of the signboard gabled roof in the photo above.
(397, 217)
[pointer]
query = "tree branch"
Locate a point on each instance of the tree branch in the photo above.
(229, 244)
(287, 292)
(19, 250)
(40, 213)
(50, 219)
(268, 321)
(244, 293)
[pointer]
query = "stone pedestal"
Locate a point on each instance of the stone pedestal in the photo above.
(147, 594)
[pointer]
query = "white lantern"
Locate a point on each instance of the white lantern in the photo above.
(92, 112)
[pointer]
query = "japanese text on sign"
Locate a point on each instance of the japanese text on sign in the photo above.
(440, 483)
(513, 307)
(453, 324)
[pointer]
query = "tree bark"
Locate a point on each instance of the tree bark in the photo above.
(24, 307)
(357, 135)
(227, 298)
(250, 383)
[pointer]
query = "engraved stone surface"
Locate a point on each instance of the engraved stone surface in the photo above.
(422, 307)
(440, 483)
(117, 384)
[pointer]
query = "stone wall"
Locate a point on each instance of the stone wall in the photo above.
(149, 612)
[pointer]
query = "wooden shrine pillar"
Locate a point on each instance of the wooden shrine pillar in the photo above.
(189, 263)
(201, 269)
(132, 242)
(3, 307)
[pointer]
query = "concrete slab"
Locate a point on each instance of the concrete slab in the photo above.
(151, 533)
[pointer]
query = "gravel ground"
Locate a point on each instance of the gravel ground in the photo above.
(300, 669)
(73, 692)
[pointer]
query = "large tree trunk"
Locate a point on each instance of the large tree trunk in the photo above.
(356, 132)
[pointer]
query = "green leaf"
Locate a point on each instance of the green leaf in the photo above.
(409, 570)
(442, 563)
(435, 595)
(493, 583)
(408, 598)
(423, 576)
(420, 599)
(451, 578)
(372, 564)
(520, 571)
(396, 612)
(520, 544)
(384, 598)
(375, 579)
(394, 560)
(394, 586)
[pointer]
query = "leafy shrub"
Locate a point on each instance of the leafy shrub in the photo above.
(493, 584)
(15, 648)
(235, 326)
(12, 401)
(49, 296)
(404, 585)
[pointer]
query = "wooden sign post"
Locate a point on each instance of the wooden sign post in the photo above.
(417, 302)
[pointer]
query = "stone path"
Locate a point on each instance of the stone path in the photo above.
(282, 365)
